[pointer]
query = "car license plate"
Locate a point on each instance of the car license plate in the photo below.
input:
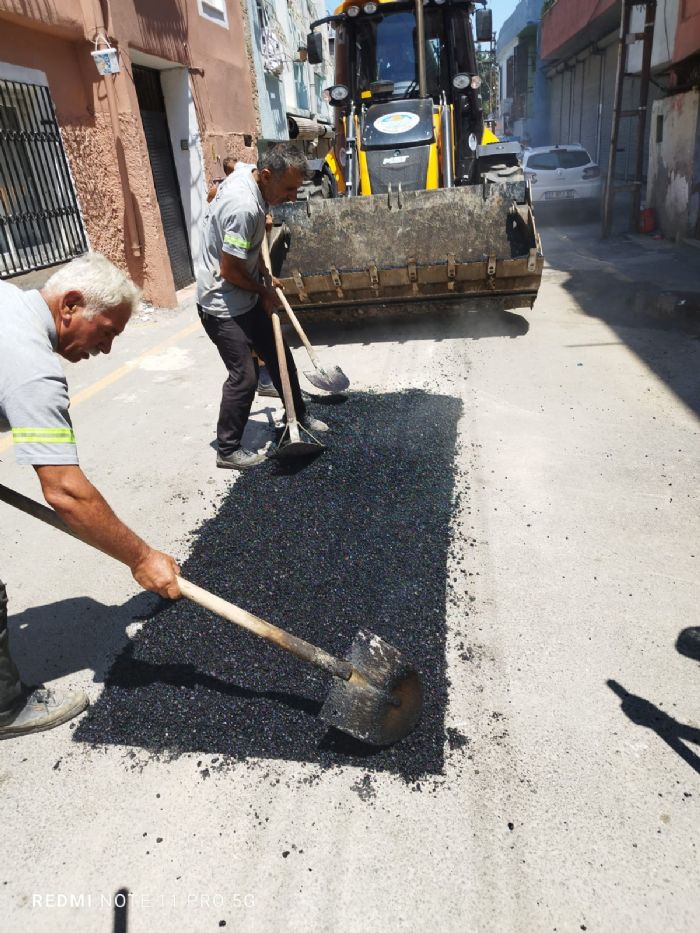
(552, 195)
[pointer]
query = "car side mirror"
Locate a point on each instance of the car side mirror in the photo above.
(314, 48)
(484, 26)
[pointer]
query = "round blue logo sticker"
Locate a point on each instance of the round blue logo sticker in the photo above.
(395, 123)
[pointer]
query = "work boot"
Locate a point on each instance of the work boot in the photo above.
(315, 425)
(306, 421)
(239, 459)
(265, 386)
(41, 709)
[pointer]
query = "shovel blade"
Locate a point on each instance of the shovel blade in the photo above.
(303, 444)
(382, 701)
(331, 380)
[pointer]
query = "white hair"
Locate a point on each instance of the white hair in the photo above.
(102, 285)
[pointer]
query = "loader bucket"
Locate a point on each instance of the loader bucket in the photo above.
(475, 241)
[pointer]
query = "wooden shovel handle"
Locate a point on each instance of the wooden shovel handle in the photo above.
(287, 307)
(296, 646)
(277, 636)
(284, 372)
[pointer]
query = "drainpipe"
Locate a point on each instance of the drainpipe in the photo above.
(599, 127)
(131, 225)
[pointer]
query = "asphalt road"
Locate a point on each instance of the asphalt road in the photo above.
(567, 794)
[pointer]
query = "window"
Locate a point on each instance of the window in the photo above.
(301, 86)
(558, 158)
(385, 50)
(214, 11)
(545, 161)
(574, 158)
(509, 78)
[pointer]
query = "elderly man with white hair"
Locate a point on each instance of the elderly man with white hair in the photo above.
(77, 314)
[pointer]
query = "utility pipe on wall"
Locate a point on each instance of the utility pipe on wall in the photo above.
(131, 225)
(599, 125)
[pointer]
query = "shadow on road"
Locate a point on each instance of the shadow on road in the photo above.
(73, 635)
(648, 294)
(120, 922)
(688, 642)
(643, 713)
(403, 324)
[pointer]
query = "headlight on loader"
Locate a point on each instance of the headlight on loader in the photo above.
(336, 95)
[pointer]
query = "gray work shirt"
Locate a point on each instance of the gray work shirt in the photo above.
(33, 389)
(234, 224)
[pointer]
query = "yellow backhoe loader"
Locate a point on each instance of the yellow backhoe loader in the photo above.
(421, 201)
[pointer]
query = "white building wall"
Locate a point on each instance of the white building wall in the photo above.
(673, 180)
(296, 89)
(664, 35)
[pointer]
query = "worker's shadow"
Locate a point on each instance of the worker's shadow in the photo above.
(688, 642)
(73, 635)
(675, 734)
(259, 430)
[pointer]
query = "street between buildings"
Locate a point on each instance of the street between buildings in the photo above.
(562, 785)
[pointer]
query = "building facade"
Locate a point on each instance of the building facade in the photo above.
(523, 86)
(289, 89)
(118, 162)
(579, 46)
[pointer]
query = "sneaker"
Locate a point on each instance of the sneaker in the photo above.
(265, 386)
(315, 425)
(41, 709)
(267, 389)
(239, 459)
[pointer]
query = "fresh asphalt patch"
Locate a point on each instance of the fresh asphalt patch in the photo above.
(357, 538)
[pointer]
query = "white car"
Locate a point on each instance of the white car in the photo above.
(562, 173)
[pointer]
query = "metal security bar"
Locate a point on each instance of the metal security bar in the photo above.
(40, 223)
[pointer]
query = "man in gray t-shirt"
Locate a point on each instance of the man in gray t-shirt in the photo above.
(233, 301)
(77, 314)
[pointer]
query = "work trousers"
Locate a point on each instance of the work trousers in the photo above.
(10, 686)
(235, 338)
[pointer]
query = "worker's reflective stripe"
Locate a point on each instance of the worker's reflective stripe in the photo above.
(43, 436)
(232, 240)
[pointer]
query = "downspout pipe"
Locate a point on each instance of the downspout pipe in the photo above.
(420, 42)
(131, 225)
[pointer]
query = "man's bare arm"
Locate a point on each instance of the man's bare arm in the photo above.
(86, 512)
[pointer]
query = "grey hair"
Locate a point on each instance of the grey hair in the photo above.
(102, 285)
(277, 159)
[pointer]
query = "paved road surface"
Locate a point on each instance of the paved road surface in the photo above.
(571, 788)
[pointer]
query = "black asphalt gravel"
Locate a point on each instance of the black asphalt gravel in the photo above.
(357, 538)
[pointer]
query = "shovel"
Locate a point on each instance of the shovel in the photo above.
(296, 441)
(376, 696)
(331, 380)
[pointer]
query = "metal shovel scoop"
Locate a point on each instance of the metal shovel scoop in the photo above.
(331, 380)
(296, 441)
(376, 696)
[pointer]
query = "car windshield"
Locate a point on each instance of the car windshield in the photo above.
(558, 158)
(385, 50)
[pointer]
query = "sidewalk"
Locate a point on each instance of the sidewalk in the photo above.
(655, 278)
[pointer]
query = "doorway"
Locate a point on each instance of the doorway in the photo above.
(155, 126)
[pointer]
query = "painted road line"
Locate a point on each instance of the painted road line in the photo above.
(92, 390)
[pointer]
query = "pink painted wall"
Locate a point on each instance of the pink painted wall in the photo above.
(688, 31)
(567, 18)
(56, 38)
